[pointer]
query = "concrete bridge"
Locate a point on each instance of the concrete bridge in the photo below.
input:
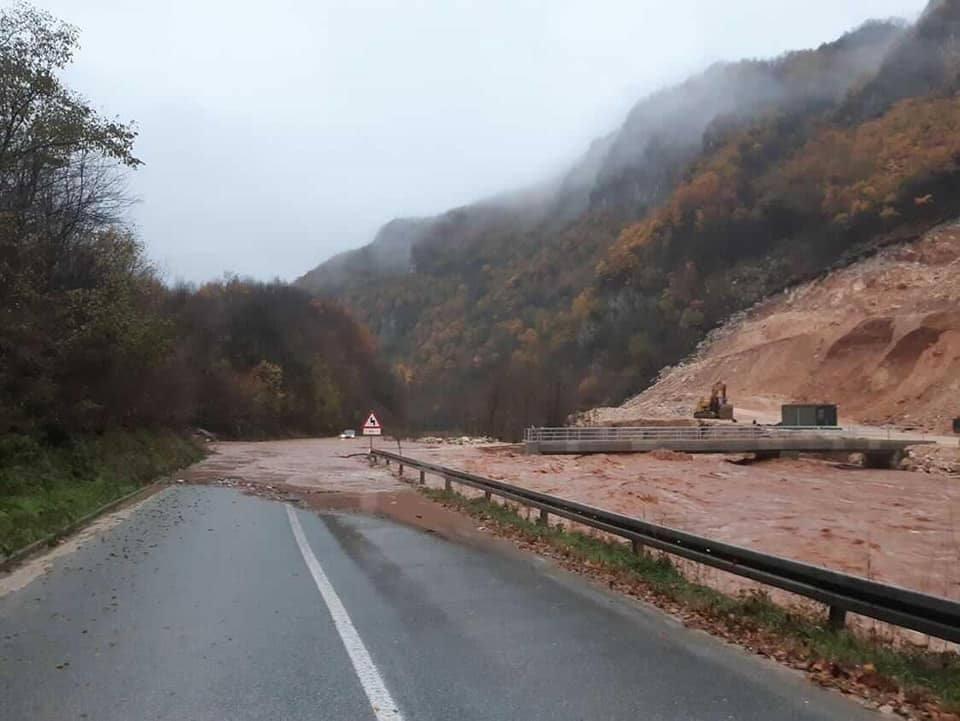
(764, 441)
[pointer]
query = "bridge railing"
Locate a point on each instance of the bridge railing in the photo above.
(674, 433)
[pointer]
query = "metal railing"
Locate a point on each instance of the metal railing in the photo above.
(744, 431)
(674, 433)
(841, 592)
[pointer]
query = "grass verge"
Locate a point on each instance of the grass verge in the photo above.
(43, 488)
(913, 682)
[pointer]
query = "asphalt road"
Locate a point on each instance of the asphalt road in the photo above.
(204, 605)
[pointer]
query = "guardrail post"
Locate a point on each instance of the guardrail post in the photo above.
(837, 619)
(636, 546)
(400, 471)
(487, 496)
(447, 485)
(543, 518)
(422, 478)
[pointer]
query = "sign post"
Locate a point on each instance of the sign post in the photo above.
(372, 428)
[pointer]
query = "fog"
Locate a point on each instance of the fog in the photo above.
(277, 134)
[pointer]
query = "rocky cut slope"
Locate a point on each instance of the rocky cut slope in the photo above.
(881, 338)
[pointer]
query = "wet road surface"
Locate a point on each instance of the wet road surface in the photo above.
(205, 604)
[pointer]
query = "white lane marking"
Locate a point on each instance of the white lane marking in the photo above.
(382, 702)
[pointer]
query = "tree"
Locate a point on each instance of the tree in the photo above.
(67, 277)
(56, 151)
(90, 338)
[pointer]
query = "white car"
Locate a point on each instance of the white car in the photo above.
(349, 433)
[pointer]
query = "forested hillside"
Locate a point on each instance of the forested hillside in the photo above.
(745, 179)
(90, 338)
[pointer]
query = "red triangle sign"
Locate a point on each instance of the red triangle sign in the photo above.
(372, 427)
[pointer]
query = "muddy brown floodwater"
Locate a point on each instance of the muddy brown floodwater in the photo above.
(329, 474)
(314, 463)
(893, 526)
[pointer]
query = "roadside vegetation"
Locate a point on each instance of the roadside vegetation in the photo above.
(903, 677)
(45, 487)
(102, 364)
(91, 339)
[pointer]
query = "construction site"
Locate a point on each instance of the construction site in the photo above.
(880, 339)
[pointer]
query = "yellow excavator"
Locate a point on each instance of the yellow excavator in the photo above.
(716, 406)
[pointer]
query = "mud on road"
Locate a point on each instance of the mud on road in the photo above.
(329, 474)
(898, 527)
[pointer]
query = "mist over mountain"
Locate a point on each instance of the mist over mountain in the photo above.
(711, 194)
(634, 165)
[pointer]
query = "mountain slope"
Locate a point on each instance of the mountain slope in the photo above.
(777, 201)
(387, 254)
(745, 179)
(636, 166)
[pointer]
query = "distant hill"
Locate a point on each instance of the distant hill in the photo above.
(712, 194)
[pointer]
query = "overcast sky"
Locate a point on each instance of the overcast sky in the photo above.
(276, 133)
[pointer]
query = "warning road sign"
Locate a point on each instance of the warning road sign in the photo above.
(372, 426)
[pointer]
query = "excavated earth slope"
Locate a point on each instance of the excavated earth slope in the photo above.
(880, 338)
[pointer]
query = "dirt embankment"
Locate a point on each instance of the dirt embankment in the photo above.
(880, 338)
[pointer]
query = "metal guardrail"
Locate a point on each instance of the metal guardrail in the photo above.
(841, 592)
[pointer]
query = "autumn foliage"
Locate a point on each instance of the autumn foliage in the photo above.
(91, 339)
(520, 314)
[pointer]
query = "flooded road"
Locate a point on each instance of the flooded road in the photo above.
(320, 464)
(207, 603)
